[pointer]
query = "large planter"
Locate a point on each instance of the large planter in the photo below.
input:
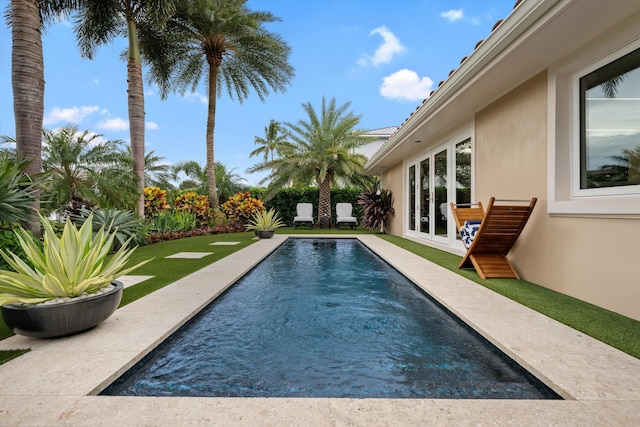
(265, 234)
(63, 319)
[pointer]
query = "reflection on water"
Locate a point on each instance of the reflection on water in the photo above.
(326, 318)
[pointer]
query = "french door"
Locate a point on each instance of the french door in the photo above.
(435, 179)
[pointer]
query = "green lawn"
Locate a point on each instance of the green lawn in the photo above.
(616, 330)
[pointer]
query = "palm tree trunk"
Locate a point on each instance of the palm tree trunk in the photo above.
(27, 79)
(324, 204)
(211, 124)
(135, 92)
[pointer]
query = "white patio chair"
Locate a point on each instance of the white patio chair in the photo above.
(344, 215)
(304, 215)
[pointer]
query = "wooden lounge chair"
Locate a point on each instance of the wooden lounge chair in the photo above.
(499, 228)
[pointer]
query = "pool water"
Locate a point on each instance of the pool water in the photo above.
(327, 318)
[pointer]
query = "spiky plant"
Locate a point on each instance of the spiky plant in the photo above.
(77, 262)
(377, 206)
(265, 220)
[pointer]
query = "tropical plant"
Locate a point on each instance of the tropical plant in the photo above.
(274, 141)
(9, 242)
(223, 44)
(82, 169)
(241, 207)
(265, 220)
(155, 201)
(172, 221)
(75, 263)
(27, 18)
(194, 203)
(124, 224)
(377, 206)
(100, 22)
(157, 172)
(227, 182)
(16, 191)
(322, 154)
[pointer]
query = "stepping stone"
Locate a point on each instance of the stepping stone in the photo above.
(190, 255)
(224, 243)
(130, 280)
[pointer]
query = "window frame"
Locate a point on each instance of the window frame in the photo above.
(564, 195)
(580, 142)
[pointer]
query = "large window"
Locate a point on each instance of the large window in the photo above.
(594, 129)
(610, 124)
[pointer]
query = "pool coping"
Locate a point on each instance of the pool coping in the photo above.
(56, 383)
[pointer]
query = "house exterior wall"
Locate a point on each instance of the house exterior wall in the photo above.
(594, 259)
(393, 180)
(518, 96)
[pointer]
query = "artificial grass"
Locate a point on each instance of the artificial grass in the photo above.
(6, 355)
(611, 328)
(168, 270)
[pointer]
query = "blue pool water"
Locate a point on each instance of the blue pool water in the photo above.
(327, 318)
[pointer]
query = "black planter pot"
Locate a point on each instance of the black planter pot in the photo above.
(265, 234)
(64, 319)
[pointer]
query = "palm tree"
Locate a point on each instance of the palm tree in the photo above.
(223, 44)
(323, 154)
(273, 142)
(157, 173)
(228, 183)
(100, 22)
(27, 17)
(80, 170)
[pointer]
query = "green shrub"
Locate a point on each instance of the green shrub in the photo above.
(9, 242)
(16, 191)
(286, 199)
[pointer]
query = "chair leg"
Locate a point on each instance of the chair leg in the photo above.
(493, 266)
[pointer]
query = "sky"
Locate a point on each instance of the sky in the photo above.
(381, 56)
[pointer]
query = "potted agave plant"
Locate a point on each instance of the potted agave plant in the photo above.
(65, 287)
(264, 223)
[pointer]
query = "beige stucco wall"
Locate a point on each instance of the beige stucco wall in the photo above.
(393, 180)
(593, 259)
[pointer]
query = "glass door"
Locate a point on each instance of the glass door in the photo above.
(435, 179)
(411, 207)
(441, 189)
(425, 197)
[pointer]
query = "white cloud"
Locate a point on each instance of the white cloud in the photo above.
(196, 96)
(390, 47)
(405, 85)
(115, 123)
(452, 15)
(152, 125)
(74, 115)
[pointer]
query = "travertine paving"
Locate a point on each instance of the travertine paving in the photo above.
(58, 381)
(130, 279)
(190, 255)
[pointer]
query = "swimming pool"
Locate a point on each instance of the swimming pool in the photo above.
(327, 318)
